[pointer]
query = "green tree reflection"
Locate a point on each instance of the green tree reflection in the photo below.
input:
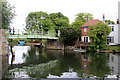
(64, 62)
(98, 66)
(37, 56)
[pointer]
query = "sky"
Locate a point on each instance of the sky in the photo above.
(68, 8)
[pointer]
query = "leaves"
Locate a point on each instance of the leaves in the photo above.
(69, 35)
(7, 14)
(81, 18)
(109, 22)
(98, 34)
(84, 17)
(36, 20)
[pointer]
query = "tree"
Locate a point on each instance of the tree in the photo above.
(98, 35)
(69, 35)
(81, 18)
(109, 22)
(48, 25)
(84, 17)
(7, 14)
(38, 20)
(59, 20)
(35, 20)
(77, 23)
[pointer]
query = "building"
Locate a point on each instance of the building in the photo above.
(114, 37)
(84, 37)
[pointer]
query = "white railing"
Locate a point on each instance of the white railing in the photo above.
(29, 34)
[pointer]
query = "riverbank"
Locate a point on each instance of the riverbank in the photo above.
(110, 49)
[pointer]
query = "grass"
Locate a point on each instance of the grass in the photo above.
(116, 48)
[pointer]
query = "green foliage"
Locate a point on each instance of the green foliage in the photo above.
(51, 33)
(116, 48)
(69, 35)
(52, 21)
(98, 66)
(109, 22)
(47, 25)
(7, 14)
(77, 23)
(81, 18)
(44, 42)
(59, 20)
(98, 35)
(35, 20)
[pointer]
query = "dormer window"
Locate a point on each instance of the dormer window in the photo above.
(112, 28)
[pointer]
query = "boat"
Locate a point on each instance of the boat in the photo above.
(79, 50)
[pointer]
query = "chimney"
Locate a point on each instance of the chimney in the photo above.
(117, 21)
(103, 18)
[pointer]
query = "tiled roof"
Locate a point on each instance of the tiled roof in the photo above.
(90, 22)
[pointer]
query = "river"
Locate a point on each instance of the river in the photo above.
(31, 62)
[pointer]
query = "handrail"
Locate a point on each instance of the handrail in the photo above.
(28, 34)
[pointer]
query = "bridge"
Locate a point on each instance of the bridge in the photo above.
(28, 34)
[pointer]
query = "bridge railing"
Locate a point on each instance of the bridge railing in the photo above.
(19, 33)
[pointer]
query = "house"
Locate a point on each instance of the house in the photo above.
(114, 36)
(112, 39)
(84, 37)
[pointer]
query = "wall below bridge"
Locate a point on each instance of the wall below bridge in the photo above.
(54, 44)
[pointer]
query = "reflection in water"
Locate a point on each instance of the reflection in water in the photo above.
(43, 63)
(19, 50)
(98, 66)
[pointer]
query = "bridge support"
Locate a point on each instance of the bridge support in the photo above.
(3, 54)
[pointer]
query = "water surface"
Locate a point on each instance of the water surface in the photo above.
(33, 62)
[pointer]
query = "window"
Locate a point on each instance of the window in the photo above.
(85, 30)
(85, 39)
(110, 39)
(112, 28)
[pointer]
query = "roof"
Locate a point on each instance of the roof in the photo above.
(90, 22)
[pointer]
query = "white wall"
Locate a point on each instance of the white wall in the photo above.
(118, 33)
(119, 10)
(114, 34)
(82, 38)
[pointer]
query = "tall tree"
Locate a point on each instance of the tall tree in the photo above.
(81, 18)
(84, 17)
(59, 20)
(6, 14)
(38, 20)
(98, 35)
(35, 20)
(69, 35)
